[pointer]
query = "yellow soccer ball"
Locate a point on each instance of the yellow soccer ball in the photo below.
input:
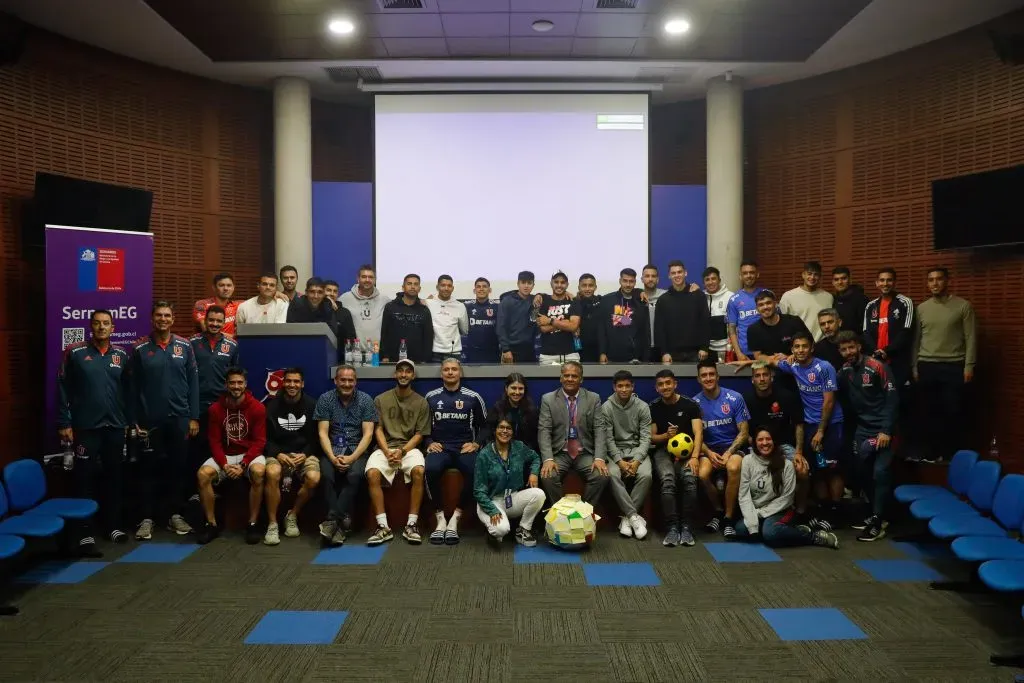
(680, 445)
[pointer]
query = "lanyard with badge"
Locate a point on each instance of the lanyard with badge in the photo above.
(508, 473)
(570, 406)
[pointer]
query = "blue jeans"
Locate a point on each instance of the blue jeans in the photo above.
(450, 458)
(874, 471)
(776, 531)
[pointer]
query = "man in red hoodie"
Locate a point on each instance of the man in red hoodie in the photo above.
(237, 433)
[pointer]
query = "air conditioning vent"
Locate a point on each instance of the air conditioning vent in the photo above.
(616, 4)
(351, 74)
(400, 4)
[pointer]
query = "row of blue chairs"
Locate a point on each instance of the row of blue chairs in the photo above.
(983, 515)
(26, 513)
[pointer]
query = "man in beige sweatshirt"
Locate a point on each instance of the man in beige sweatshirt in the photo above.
(945, 351)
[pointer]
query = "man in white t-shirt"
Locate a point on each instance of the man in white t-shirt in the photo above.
(808, 299)
(267, 307)
(450, 319)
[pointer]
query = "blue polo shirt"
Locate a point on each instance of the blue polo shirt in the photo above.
(814, 380)
(721, 417)
(741, 311)
(346, 428)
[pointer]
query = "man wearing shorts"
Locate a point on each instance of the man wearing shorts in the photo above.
(726, 430)
(823, 436)
(781, 411)
(404, 422)
(292, 448)
(238, 434)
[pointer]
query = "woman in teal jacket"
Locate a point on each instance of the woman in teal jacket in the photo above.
(505, 485)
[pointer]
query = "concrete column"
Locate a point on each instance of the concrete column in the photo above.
(725, 177)
(293, 185)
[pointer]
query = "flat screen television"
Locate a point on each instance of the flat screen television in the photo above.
(979, 210)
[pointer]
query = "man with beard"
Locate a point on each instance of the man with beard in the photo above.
(315, 307)
(238, 435)
(849, 300)
(292, 447)
(623, 328)
(806, 300)
(224, 290)
(718, 297)
(682, 326)
(649, 276)
(407, 319)
(366, 304)
(215, 353)
(289, 282)
(269, 306)
(590, 318)
(558, 319)
(741, 311)
(889, 328)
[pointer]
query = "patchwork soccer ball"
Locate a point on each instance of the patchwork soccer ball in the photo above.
(571, 523)
(680, 445)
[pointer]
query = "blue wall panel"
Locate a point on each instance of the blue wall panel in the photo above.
(679, 219)
(342, 230)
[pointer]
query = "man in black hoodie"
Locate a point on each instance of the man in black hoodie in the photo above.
(292, 447)
(407, 318)
(682, 322)
(849, 300)
(622, 333)
(590, 317)
(315, 307)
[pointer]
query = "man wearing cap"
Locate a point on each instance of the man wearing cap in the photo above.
(404, 423)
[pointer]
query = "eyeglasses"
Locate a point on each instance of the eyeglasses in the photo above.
(503, 428)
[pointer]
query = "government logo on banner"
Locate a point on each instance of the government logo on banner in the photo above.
(100, 269)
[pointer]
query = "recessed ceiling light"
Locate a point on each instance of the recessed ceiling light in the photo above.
(542, 25)
(677, 27)
(340, 27)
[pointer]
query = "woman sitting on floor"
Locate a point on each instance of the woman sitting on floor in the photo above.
(767, 486)
(505, 485)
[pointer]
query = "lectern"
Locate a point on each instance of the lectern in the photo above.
(266, 350)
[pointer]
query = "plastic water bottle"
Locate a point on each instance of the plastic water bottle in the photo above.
(348, 352)
(69, 454)
(577, 343)
(403, 350)
(819, 458)
(993, 450)
(357, 353)
(375, 358)
(364, 353)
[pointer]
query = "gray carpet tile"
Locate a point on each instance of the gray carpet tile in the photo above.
(830, 567)
(563, 663)
(476, 551)
(481, 599)
(382, 628)
(313, 595)
(567, 627)
(988, 623)
(271, 663)
(421, 598)
(754, 661)
(845, 660)
(854, 593)
(728, 625)
(43, 621)
(82, 595)
(631, 598)
(798, 594)
(342, 662)
(705, 596)
(407, 575)
(631, 627)
(465, 628)
(930, 659)
(20, 663)
(97, 660)
(110, 625)
(177, 662)
(553, 597)
(681, 568)
(656, 662)
(897, 622)
(462, 574)
(443, 662)
(623, 550)
(337, 573)
(204, 627)
(737, 573)
(548, 575)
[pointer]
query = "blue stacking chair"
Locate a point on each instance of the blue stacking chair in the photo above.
(9, 547)
(980, 492)
(1007, 512)
(26, 486)
(31, 526)
(958, 478)
(985, 548)
(1005, 576)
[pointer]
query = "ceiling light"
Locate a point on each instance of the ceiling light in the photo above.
(542, 25)
(677, 27)
(340, 27)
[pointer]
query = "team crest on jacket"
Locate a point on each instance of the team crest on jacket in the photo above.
(810, 376)
(273, 383)
(225, 348)
(490, 312)
(177, 350)
(725, 409)
(116, 360)
(866, 379)
(458, 405)
(776, 408)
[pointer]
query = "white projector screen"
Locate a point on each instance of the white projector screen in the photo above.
(489, 185)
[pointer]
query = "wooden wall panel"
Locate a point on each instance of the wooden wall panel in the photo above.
(201, 148)
(874, 137)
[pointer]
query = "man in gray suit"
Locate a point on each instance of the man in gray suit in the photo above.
(569, 438)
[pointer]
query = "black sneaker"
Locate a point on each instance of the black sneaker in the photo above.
(525, 538)
(819, 524)
(714, 525)
(207, 533)
(728, 530)
(671, 539)
(874, 531)
(118, 536)
(253, 535)
(87, 548)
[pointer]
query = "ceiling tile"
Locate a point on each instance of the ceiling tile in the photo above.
(475, 25)
(535, 46)
(416, 47)
(592, 25)
(603, 47)
(473, 5)
(520, 23)
(407, 25)
(547, 5)
(478, 47)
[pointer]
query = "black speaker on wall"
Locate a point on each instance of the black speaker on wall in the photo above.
(13, 32)
(1009, 46)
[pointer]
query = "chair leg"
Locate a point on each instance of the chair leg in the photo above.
(1016, 661)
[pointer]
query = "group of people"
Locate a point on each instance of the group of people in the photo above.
(826, 393)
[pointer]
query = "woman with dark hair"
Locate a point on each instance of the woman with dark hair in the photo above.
(767, 487)
(515, 404)
(505, 485)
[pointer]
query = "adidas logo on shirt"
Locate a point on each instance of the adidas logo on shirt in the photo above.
(292, 423)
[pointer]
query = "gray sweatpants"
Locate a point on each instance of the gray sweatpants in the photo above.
(630, 492)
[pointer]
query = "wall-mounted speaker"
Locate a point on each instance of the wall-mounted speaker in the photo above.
(1009, 46)
(13, 32)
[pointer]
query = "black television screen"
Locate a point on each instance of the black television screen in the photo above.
(979, 210)
(63, 200)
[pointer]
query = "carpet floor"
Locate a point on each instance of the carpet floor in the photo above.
(625, 610)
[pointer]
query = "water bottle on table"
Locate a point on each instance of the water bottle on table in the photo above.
(348, 352)
(403, 350)
(68, 450)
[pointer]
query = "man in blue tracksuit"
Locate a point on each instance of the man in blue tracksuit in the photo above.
(517, 324)
(92, 388)
(214, 353)
(481, 345)
(165, 407)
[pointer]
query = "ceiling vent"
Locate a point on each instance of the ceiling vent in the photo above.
(352, 74)
(386, 5)
(616, 4)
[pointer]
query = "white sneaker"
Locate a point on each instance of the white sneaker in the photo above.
(271, 537)
(145, 530)
(639, 526)
(624, 528)
(291, 526)
(178, 525)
